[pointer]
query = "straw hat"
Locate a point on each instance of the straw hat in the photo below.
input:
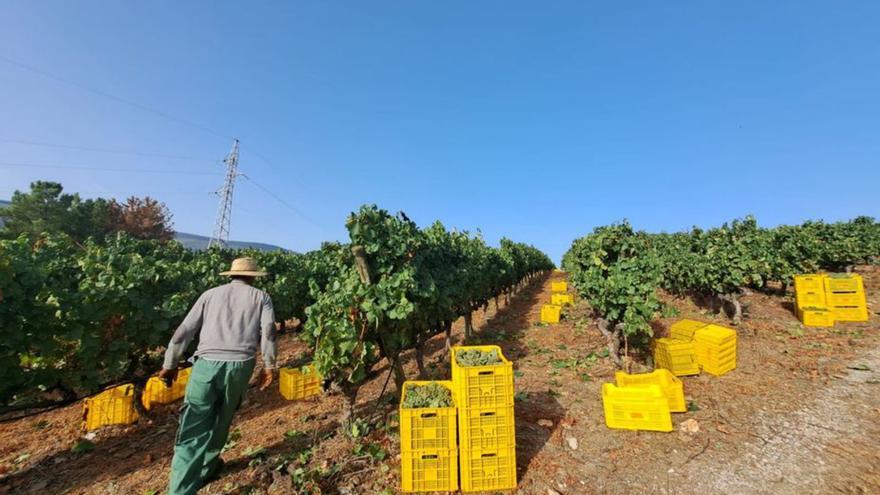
(246, 267)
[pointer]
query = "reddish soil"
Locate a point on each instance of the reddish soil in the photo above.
(800, 414)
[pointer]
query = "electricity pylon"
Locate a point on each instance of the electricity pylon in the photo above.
(224, 212)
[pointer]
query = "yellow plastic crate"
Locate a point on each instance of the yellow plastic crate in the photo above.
(427, 428)
(809, 282)
(850, 313)
(488, 428)
(706, 355)
(805, 299)
(684, 329)
(636, 408)
(482, 386)
(719, 367)
(488, 470)
(844, 282)
(561, 299)
(296, 384)
(558, 287)
(677, 356)
(550, 313)
(671, 386)
(155, 391)
(111, 407)
(846, 299)
(716, 335)
(816, 317)
(429, 470)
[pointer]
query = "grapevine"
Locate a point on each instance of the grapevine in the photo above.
(618, 270)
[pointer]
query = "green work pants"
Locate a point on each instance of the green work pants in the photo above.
(213, 394)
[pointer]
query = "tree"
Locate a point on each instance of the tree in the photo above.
(145, 218)
(46, 209)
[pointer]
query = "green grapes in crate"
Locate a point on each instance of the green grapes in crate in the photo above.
(432, 395)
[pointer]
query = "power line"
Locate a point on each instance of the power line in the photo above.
(101, 150)
(145, 108)
(111, 96)
(282, 201)
(268, 162)
(106, 169)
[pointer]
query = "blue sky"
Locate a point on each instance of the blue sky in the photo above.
(534, 120)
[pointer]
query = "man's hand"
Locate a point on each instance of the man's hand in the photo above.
(266, 378)
(168, 376)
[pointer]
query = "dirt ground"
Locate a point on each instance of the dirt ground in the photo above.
(800, 414)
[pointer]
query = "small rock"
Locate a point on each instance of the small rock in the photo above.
(572, 443)
(546, 423)
(690, 426)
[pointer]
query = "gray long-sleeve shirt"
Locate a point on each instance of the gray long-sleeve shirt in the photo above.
(233, 319)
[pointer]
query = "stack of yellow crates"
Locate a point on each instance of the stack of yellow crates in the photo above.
(298, 384)
(716, 349)
(428, 446)
(486, 431)
(646, 401)
(810, 300)
(156, 392)
(822, 299)
(550, 313)
(845, 293)
(114, 406)
(695, 345)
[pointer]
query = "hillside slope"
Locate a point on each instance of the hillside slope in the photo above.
(195, 241)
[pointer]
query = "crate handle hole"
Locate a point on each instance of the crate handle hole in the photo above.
(430, 456)
(429, 415)
(490, 413)
(487, 372)
(489, 455)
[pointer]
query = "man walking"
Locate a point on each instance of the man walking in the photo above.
(231, 320)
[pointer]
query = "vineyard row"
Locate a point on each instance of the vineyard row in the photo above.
(618, 270)
(77, 317)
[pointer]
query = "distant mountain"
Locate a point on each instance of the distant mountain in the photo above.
(193, 241)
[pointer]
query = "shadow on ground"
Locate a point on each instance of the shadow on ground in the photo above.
(142, 447)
